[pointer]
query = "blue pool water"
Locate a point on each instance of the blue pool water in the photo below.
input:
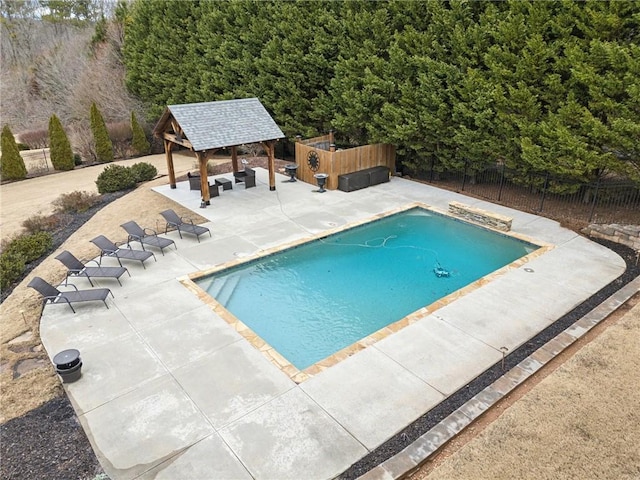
(313, 300)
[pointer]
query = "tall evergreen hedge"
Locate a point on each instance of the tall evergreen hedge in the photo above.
(104, 146)
(59, 146)
(533, 85)
(11, 163)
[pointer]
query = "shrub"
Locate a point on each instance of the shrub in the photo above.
(140, 143)
(11, 268)
(143, 171)
(42, 223)
(115, 178)
(31, 246)
(75, 202)
(104, 147)
(77, 159)
(11, 163)
(60, 147)
(35, 138)
(23, 146)
(120, 135)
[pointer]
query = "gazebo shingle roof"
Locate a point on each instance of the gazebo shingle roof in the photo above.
(224, 123)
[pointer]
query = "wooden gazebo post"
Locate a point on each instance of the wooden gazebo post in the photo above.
(234, 158)
(168, 147)
(269, 146)
(204, 178)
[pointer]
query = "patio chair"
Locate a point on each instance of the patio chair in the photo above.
(175, 221)
(52, 295)
(246, 176)
(75, 268)
(110, 249)
(194, 184)
(146, 236)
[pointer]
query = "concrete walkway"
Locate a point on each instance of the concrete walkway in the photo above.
(170, 390)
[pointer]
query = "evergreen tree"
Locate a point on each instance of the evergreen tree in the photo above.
(140, 143)
(59, 146)
(104, 147)
(11, 163)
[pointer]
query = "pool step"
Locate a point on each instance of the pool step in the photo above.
(222, 289)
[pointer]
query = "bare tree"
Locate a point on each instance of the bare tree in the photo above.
(53, 64)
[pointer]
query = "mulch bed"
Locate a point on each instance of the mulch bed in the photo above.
(49, 442)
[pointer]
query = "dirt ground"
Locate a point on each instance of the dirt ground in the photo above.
(581, 421)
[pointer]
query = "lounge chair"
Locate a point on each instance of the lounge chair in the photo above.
(52, 295)
(175, 221)
(110, 249)
(146, 236)
(75, 268)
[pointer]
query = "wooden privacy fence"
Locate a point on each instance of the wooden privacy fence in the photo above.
(340, 161)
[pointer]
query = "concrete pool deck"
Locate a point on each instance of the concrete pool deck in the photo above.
(170, 390)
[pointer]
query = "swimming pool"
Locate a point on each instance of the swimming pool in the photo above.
(312, 301)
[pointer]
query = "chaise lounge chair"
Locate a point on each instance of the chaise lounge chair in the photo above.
(52, 295)
(146, 236)
(110, 249)
(175, 221)
(75, 268)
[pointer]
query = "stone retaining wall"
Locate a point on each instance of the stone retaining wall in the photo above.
(628, 235)
(481, 217)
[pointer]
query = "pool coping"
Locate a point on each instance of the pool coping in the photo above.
(420, 450)
(299, 376)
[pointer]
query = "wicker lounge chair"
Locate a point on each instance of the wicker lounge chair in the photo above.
(175, 221)
(110, 249)
(146, 236)
(52, 295)
(75, 268)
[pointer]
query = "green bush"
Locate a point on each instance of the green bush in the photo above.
(59, 146)
(11, 268)
(77, 159)
(104, 146)
(143, 171)
(75, 202)
(11, 163)
(115, 178)
(23, 146)
(139, 142)
(30, 247)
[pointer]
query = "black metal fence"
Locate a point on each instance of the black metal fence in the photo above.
(604, 201)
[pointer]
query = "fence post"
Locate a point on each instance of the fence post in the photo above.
(595, 200)
(464, 174)
(501, 182)
(544, 191)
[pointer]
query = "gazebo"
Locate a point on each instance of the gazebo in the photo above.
(207, 127)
